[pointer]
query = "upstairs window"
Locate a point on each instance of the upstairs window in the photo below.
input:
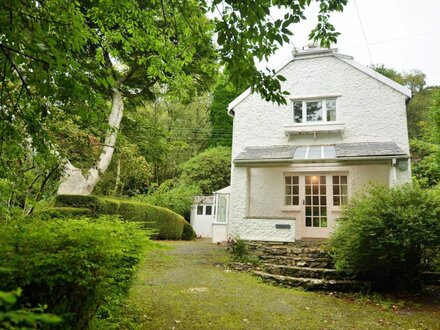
(314, 111)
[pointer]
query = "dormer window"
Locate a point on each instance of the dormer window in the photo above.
(314, 111)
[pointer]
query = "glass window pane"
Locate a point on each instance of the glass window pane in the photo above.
(322, 179)
(295, 179)
(308, 211)
(221, 216)
(297, 112)
(315, 222)
(308, 190)
(323, 189)
(344, 200)
(295, 190)
(208, 210)
(308, 222)
(323, 222)
(335, 200)
(288, 190)
(344, 179)
(308, 179)
(323, 200)
(344, 190)
(331, 110)
(331, 115)
(316, 211)
(335, 179)
(315, 190)
(314, 111)
(314, 153)
(315, 200)
(308, 200)
(323, 211)
(199, 209)
(288, 179)
(288, 200)
(295, 200)
(335, 190)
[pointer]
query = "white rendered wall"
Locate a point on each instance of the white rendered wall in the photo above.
(370, 110)
(262, 189)
(266, 230)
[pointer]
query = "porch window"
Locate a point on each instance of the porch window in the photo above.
(314, 111)
(291, 190)
(199, 209)
(208, 210)
(340, 190)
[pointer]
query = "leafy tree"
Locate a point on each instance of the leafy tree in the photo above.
(173, 195)
(223, 94)
(389, 235)
(415, 80)
(210, 170)
(75, 58)
(426, 149)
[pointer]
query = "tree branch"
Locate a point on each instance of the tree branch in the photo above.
(18, 72)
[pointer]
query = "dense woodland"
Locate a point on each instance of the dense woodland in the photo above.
(123, 105)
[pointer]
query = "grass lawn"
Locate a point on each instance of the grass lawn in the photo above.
(188, 287)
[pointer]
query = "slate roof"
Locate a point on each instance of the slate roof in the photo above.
(336, 152)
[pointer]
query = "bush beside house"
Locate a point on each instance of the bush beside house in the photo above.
(72, 266)
(389, 235)
(168, 224)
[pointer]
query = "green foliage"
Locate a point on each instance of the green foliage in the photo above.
(425, 150)
(166, 223)
(218, 113)
(389, 235)
(188, 232)
(82, 201)
(210, 170)
(62, 212)
(174, 196)
(70, 266)
(415, 80)
(24, 318)
(238, 249)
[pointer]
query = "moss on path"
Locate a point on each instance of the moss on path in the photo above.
(188, 287)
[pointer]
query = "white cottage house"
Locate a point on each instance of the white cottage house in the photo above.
(294, 165)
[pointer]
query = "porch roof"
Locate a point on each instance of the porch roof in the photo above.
(336, 152)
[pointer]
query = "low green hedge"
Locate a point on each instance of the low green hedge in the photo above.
(72, 266)
(63, 212)
(168, 224)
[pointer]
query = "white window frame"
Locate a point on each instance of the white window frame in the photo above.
(304, 110)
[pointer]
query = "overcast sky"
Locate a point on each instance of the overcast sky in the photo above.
(402, 34)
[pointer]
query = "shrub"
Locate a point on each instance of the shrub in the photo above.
(167, 224)
(62, 212)
(188, 232)
(209, 170)
(72, 266)
(176, 197)
(389, 235)
(89, 202)
(23, 318)
(239, 251)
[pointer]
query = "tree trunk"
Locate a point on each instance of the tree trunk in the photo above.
(118, 178)
(73, 181)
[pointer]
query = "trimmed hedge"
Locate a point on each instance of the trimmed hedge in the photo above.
(70, 265)
(168, 224)
(63, 212)
(188, 232)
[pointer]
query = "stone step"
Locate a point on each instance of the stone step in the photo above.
(312, 283)
(298, 261)
(306, 272)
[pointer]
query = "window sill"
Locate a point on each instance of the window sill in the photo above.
(314, 128)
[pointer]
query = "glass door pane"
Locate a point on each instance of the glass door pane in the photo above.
(315, 201)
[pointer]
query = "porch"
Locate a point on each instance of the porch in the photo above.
(284, 200)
